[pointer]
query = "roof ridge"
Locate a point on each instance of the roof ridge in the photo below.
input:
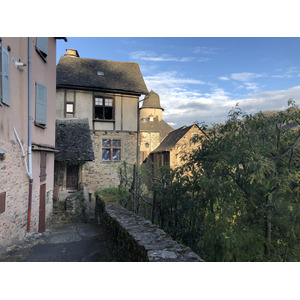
(87, 58)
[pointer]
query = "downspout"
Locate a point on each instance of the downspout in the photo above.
(136, 202)
(138, 134)
(29, 137)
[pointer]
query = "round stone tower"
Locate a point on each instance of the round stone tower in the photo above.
(151, 107)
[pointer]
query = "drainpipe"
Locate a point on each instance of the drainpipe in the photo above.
(29, 137)
(138, 134)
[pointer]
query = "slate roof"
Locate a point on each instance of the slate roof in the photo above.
(172, 138)
(81, 73)
(73, 140)
(152, 100)
(156, 126)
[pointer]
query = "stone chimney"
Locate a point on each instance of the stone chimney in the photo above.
(72, 53)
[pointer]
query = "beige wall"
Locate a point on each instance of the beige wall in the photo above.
(14, 179)
(125, 109)
(147, 112)
(184, 146)
(151, 138)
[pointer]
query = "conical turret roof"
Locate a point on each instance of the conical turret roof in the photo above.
(152, 101)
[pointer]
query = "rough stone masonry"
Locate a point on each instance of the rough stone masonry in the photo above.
(134, 238)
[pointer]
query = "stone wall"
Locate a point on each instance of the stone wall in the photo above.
(133, 238)
(98, 174)
(15, 183)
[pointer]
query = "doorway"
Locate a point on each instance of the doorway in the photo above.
(72, 176)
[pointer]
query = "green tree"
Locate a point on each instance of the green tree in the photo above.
(247, 177)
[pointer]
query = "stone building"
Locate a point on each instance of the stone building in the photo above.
(107, 94)
(27, 135)
(175, 144)
(153, 129)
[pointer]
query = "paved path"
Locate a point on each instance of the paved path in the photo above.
(69, 242)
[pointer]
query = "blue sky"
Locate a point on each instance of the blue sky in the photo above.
(201, 79)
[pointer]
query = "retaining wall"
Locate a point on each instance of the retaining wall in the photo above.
(133, 238)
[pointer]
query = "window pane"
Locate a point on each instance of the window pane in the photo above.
(108, 113)
(69, 108)
(108, 102)
(98, 101)
(116, 154)
(106, 154)
(99, 112)
(106, 143)
(117, 143)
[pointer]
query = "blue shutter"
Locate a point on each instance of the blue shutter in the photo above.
(5, 77)
(40, 103)
(42, 44)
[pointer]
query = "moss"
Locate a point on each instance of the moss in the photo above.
(114, 196)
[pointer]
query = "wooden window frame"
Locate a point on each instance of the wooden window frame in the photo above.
(111, 148)
(104, 97)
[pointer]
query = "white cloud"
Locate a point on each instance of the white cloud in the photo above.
(244, 76)
(223, 78)
(251, 86)
(152, 56)
(203, 59)
(204, 50)
(186, 104)
(169, 79)
(289, 73)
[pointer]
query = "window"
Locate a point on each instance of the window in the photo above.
(70, 108)
(4, 76)
(111, 150)
(104, 109)
(42, 47)
(40, 104)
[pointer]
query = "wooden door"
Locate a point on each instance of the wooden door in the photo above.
(42, 209)
(72, 176)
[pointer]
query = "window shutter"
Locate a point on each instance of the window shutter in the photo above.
(5, 77)
(42, 44)
(40, 103)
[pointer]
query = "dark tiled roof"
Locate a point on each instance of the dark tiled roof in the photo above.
(73, 140)
(152, 100)
(156, 126)
(76, 72)
(172, 138)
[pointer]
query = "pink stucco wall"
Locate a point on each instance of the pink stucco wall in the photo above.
(14, 179)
